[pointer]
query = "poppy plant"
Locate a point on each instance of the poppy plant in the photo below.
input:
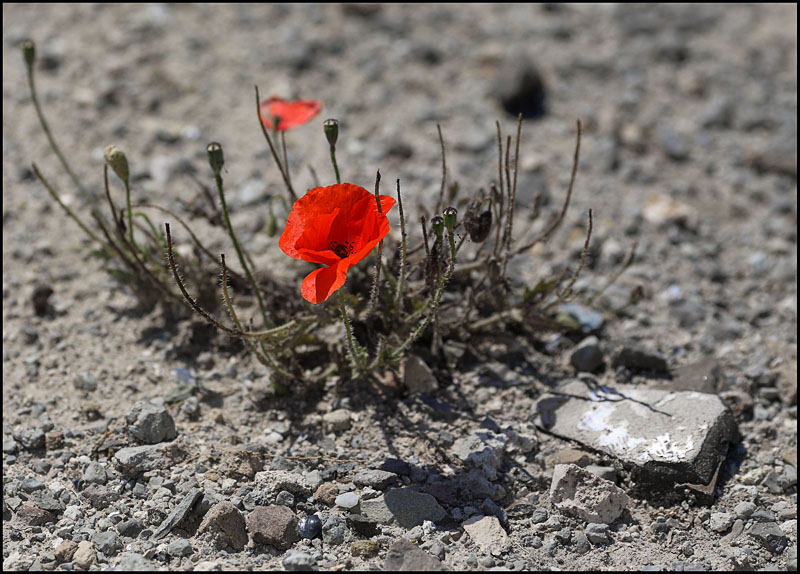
(289, 114)
(336, 226)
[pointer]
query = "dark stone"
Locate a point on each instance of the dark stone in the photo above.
(406, 556)
(363, 524)
(40, 299)
(770, 536)
(638, 358)
(310, 526)
(520, 87)
(178, 513)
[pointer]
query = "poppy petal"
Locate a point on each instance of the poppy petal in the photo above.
(289, 114)
(322, 283)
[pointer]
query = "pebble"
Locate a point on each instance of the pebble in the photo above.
(99, 495)
(151, 423)
(84, 555)
(411, 508)
(334, 530)
(364, 548)
(363, 525)
(135, 562)
(539, 516)
(418, 377)
(95, 473)
(273, 525)
(240, 463)
(770, 536)
(407, 556)
(587, 356)
(598, 533)
(487, 533)
(226, 525)
(337, 421)
(310, 526)
(30, 515)
(580, 493)
(65, 551)
(721, 521)
(31, 485)
(298, 561)
(326, 493)
(638, 358)
(347, 500)
(107, 542)
(377, 479)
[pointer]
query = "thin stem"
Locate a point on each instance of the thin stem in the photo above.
(355, 353)
(402, 277)
(242, 260)
(512, 197)
(285, 158)
(373, 297)
(444, 171)
(335, 165)
(70, 213)
(129, 211)
(50, 139)
(272, 149)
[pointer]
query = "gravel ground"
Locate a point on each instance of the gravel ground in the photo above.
(689, 148)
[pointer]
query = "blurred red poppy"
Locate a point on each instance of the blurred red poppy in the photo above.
(336, 226)
(289, 114)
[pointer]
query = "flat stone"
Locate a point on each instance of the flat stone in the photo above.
(638, 358)
(337, 421)
(377, 479)
(133, 461)
(580, 493)
(376, 509)
(226, 524)
(297, 561)
(487, 533)
(29, 515)
(411, 508)
(770, 536)
(274, 525)
(178, 513)
(347, 500)
(405, 556)
(667, 439)
(704, 376)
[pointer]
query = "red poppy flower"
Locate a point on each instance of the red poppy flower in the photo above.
(289, 114)
(337, 226)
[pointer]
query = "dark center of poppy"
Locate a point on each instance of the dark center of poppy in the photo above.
(342, 249)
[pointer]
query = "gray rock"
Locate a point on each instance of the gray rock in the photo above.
(178, 513)
(411, 508)
(107, 542)
(418, 377)
(406, 556)
(539, 516)
(334, 530)
(376, 509)
(582, 545)
(363, 525)
(481, 449)
(721, 521)
(133, 562)
(337, 421)
(273, 525)
(637, 358)
(587, 356)
(135, 460)
(30, 439)
(31, 485)
(598, 533)
(297, 561)
(95, 473)
(150, 423)
(580, 493)
(703, 376)
(669, 440)
(285, 498)
(100, 496)
(770, 536)
(226, 525)
(129, 528)
(377, 479)
(674, 144)
(85, 381)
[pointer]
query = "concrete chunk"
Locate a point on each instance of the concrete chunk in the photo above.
(669, 440)
(580, 493)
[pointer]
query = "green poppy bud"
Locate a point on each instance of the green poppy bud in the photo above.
(331, 128)
(29, 52)
(116, 160)
(450, 219)
(215, 157)
(437, 224)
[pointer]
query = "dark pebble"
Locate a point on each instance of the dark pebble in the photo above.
(310, 526)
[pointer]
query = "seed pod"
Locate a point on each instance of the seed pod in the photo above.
(116, 160)
(331, 128)
(437, 224)
(215, 157)
(450, 219)
(29, 52)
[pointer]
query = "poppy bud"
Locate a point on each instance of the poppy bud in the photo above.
(437, 224)
(331, 128)
(450, 219)
(117, 161)
(29, 52)
(215, 157)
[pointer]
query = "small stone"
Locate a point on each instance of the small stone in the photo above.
(363, 525)
(744, 509)
(107, 542)
(31, 485)
(405, 556)
(241, 463)
(226, 525)
(95, 473)
(582, 545)
(285, 498)
(297, 561)
(519, 87)
(150, 423)
(326, 493)
(85, 381)
(364, 548)
(180, 547)
(770, 536)
(376, 509)
(100, 496)
(721, 521)
(30, 439)
(134, 562)
(377, 479)
(310, 527)
(65, 551)
(411, 508)
(273, 525)
(334, 530)
(598, 533)
(674, 144)
(84, 555)
(129, 528)
(564, 536)
(30, 515)
(135, 460)
(337, 421)
(539, 516)
(54, 440)
(580, 493)
(347, 500)
(638, 358)
(587, 356)
(487, 533)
